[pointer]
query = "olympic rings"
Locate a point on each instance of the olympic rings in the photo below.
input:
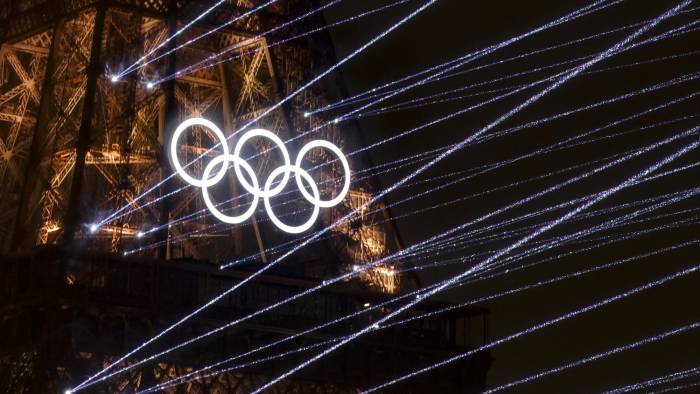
(252, 185)
(314, 188)
(173, 151)
(236, 165)
(346, 167)
(205, 190)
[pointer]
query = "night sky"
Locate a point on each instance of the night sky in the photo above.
(452, 28)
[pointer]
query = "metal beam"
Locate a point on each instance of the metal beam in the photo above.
(31, 177)
(73, 217)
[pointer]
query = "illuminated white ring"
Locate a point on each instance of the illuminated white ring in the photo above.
(291, 229)
(267, 192)
(224, 159)
(204, 182)
(346, 167)
(285, 155)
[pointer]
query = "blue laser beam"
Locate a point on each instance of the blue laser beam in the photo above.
(197, 374)
(682, 30)
(573, 73)
(267, 111)
(596, 357)
(283, 101)
(116, 77)
(210, 61)
(142, 61)
(576, 14)
(292, 38)
(411, 294)
(505, 251)
(405, 251)
(665, 379)
(373, 92)
(540, 326)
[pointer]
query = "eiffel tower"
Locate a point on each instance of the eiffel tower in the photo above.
(75, 147)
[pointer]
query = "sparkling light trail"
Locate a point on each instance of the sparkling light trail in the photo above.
(665, 379)
(373, 92)
(307, 33)
(488, 167)
(561, 20)
(623, 237)
(551, 243)
(552, 148)
(574, 15)
(271, 250)
(598, 356)
(568, 143)
(194, 374)
(338, 320)
(264, 113)
(281, 102)
(614, 239)
(211, 60)
(685, 29)
(646, 90)
(583, 176)
(535, 234)
(570, 75)
(452, 242)
(598, 243)
(426, 100)
(403, 252)
(540, 326)
(141, 62)
(132, 67)
(678, 387)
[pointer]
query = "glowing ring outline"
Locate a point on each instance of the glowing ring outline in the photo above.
(266, 193)
(205, 190)
(314, 215)
(346, 168)
(285, 155)
(176, 163)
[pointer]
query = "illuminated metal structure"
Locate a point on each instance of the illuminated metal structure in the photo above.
(76, 145)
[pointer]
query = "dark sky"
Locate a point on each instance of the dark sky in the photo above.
(454, 27)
